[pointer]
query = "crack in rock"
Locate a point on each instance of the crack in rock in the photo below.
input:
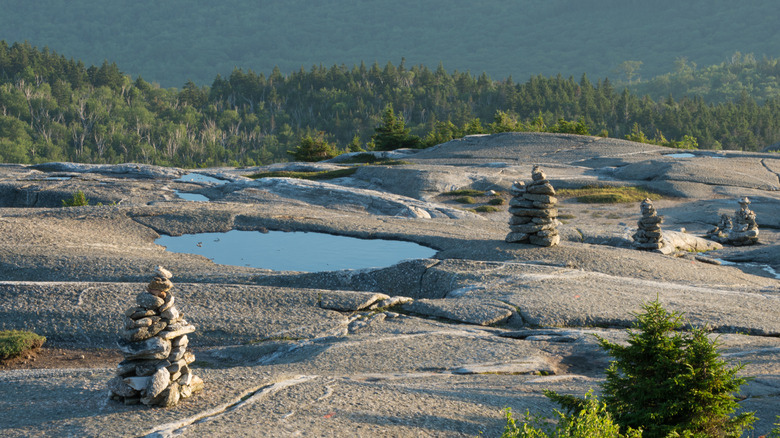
(247, 398)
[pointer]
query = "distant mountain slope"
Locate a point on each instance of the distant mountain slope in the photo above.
(172, 41)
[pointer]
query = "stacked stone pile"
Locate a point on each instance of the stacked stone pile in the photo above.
(649, 235)
(533, 212)
(721, 232)
(742, 230)
(156, 370)
(745, 229)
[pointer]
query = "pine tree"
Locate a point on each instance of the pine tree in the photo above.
(393, 134)
(666, 381)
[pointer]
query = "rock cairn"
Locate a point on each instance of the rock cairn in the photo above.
(745, 229)
(649, 235)
(742, 230)
(721, 232)
(156, 370)
(533, 212)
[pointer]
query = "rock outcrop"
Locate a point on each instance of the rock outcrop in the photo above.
(533, 212)
(156, 370)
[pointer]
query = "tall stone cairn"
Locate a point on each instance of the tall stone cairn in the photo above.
(533, 212)
(156, 370)
(649, 235)
(745, 229)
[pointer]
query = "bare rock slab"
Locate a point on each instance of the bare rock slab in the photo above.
(349, 301)
(526, 365)
(467, 310)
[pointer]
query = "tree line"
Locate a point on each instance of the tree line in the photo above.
(58, 109)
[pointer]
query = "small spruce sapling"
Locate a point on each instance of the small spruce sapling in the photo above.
(669, 383)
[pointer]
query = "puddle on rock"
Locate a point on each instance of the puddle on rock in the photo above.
(191, 196)
(200, 178)
(197, 178)
(766, 268)
(295, 251)
(681, 155)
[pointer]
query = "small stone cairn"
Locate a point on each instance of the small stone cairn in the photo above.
(745, 229)
(533, 212)
(154, 341)
(649, 235)
(721, 232)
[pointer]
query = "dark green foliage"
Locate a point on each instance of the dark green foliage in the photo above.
(53, 109)
(465, 200)
(372, 159)
(392, 133)
(325, 174)
(313, 149)
(205, 38)
(79, 199)
(487, 209)
(464, 192)
(497, 201)
(14, 343)
(590, 421)
(665, 381)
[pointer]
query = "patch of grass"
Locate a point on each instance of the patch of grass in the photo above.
(566, 216)
(79, 199)
(497, 201)
(465, 200)
(14, 343)
(464, 192)
(487, 209)
(607, 194)
(321, 175)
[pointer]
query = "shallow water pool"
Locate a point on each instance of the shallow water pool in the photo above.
(295, 251)
(200, 178)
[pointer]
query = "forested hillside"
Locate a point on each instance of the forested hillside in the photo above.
(54, 108)
(172, 41)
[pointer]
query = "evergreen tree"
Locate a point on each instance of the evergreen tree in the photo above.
(313, 149)
(667, 382)
(392, 133)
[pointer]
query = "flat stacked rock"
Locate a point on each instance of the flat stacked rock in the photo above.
(649, 235)
(721, 232)
(154, 341)
(745, 229)
(533, 212)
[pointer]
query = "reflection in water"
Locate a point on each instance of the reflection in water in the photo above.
(200, 178)
(295, 251)
(191, 196)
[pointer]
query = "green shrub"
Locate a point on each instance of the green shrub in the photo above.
(487, 209)
(775, 432)
(314, 149)
(464, 192)
(79, 199)
(372, 159)
(669, 383)
(496, 201)
(465, 200)
(592, 421)
(14, 343)
(325, 174)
